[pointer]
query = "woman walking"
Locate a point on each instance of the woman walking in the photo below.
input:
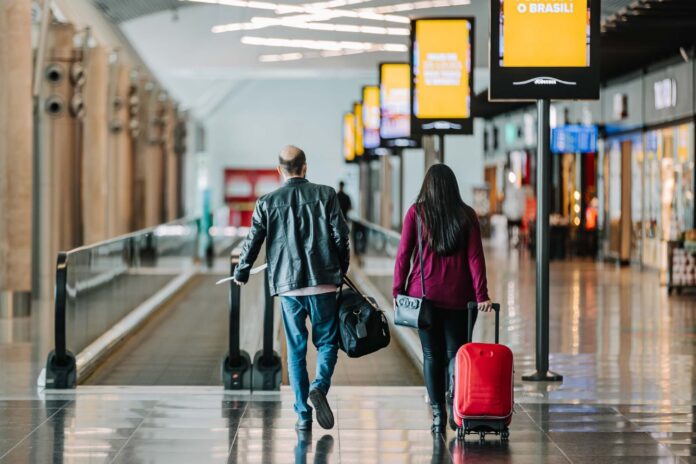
(454, 271)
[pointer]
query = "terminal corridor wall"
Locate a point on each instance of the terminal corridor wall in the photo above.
(259, 117)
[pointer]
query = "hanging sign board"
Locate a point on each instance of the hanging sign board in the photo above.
(544, 49)
(442, 60)
(349, 137)
(370, 111)
(574, 138)
(395, 105)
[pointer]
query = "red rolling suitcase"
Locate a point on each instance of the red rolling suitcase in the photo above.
(483, 385)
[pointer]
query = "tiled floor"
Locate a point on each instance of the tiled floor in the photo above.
(626, 350)
(373, 425)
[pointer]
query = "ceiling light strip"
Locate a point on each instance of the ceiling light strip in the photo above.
(282, 8)
(325, 45)
(411, 6)
(308, 55)
(262, 22)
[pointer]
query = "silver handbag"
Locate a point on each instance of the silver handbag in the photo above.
(410, 311)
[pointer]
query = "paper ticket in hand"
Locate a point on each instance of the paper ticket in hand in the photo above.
(255, 270)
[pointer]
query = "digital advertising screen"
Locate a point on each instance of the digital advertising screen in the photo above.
(349, 136)
(544, 49)
(395, 106)
(370, 119)
(442, 75)
(359, 130)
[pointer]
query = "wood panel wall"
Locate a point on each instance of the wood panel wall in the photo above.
(15, 145)
(61, 92)
(120, 159)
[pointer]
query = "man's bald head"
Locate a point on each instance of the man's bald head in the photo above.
(292, 161)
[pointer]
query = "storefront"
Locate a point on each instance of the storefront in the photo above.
(622, 186)
(621, 171)
(574, 148)
(668, 170)
(641, 176)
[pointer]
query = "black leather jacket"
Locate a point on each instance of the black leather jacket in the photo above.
(306, 237)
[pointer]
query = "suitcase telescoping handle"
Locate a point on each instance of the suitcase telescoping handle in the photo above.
(473, 307)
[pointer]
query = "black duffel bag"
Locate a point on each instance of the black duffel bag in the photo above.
(362, 326)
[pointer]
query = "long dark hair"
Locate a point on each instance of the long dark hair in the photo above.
(440, 206)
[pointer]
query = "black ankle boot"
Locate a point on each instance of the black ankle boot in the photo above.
(450, 411)
(439, 419)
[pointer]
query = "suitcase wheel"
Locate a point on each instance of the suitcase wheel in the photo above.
(460, 433)
(505, 434)
(482, 437)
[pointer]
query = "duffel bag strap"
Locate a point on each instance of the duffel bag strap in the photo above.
(350, 284)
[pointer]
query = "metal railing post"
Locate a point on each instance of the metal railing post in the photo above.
(61, 370)
(236, 367)
(268, 366)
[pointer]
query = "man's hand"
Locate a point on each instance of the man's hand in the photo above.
(238, 282)
(485, 306)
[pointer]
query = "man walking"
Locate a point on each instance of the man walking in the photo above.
(307, 251)
(344, 200)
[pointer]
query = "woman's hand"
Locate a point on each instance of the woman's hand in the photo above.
(485, 306)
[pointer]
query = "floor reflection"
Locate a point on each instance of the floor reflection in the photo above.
(322, 449)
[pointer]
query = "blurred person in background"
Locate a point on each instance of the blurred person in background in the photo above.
(513, 208)
(344, 200)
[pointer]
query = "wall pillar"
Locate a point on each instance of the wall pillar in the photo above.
(386, 199)
(16, 175)
(95, 147)
(120, 159)
(432, 152)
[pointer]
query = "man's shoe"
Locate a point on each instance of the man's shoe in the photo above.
(323, 411)
(303, 425)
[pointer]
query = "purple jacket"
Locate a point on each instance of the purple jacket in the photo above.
(450, 281)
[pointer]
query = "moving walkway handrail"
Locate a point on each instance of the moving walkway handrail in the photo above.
(61, 369)
(238, 370)
(370, 225)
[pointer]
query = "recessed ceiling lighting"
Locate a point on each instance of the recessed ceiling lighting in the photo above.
(330, 45)
(282, 8)
(309, 55)
(309, 24)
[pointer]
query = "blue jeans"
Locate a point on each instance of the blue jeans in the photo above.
(323, 314)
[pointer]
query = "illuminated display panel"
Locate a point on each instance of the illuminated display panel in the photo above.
(349, 136)
(544, 50)
(357, 114)
(544, 34)
(370, 111)
(395, 100)
(441, 73)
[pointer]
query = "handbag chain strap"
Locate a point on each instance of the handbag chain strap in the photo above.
(420, 253)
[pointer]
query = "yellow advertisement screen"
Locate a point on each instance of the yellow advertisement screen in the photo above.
(371, 116)
(349, 136)
(441, 65)
(359, 146)
(552, 33)
(395, 100)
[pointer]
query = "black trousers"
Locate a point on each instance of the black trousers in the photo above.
(440, 344)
